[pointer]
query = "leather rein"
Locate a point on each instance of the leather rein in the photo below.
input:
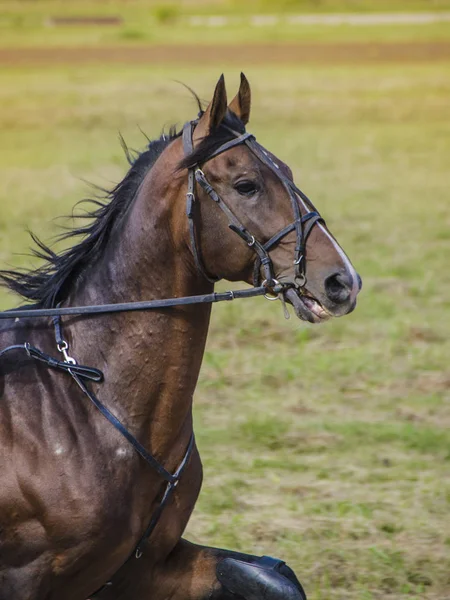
(269, 287)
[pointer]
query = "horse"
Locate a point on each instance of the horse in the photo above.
(100, 471)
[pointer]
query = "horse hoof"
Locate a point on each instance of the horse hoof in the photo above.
(265, 579)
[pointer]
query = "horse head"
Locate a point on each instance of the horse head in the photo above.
(247, 219)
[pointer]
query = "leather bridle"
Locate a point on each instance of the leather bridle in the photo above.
(302, 224)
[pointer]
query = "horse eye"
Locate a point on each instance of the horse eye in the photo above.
(246, 188)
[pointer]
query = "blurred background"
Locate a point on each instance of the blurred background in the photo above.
(328, 446)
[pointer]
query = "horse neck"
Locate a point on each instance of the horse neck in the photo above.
(151, 360)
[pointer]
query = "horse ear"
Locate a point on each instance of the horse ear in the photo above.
(240, 104)
(214, 114)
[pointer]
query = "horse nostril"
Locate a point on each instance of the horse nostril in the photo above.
(338, 287)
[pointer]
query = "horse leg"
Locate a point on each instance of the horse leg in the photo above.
(256, 578)
(194, 572)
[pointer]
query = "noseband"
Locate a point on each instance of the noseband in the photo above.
(302, 224)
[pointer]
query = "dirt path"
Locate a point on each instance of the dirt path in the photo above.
(336, 53)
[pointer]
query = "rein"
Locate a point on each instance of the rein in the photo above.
(98, 309)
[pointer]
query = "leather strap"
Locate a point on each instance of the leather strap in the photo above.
(122, 429)
(236, 226)
(99, 309)
(80, 370)
(188, 148)
(170, 488)
(10, 348)
(240, 139)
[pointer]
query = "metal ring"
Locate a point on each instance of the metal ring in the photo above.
(252, 243)
(300, 280)
(268, 296)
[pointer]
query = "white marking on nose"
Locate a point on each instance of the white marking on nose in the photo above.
(348, 265)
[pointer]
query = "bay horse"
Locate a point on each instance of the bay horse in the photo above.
(99, 468)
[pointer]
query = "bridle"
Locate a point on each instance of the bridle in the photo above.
(302, 224)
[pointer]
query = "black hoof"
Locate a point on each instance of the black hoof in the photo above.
(266, 579)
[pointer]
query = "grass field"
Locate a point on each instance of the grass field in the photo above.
(146, 21)
(326, 445)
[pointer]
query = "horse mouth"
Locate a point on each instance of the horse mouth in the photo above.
(306, 307)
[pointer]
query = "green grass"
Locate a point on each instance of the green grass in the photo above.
(150, 22)
(326, 445)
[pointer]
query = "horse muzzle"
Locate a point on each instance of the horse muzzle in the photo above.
(337, 299)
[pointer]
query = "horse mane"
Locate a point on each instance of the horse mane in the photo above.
(50, 283)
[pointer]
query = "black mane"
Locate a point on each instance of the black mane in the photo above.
(50, 283)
